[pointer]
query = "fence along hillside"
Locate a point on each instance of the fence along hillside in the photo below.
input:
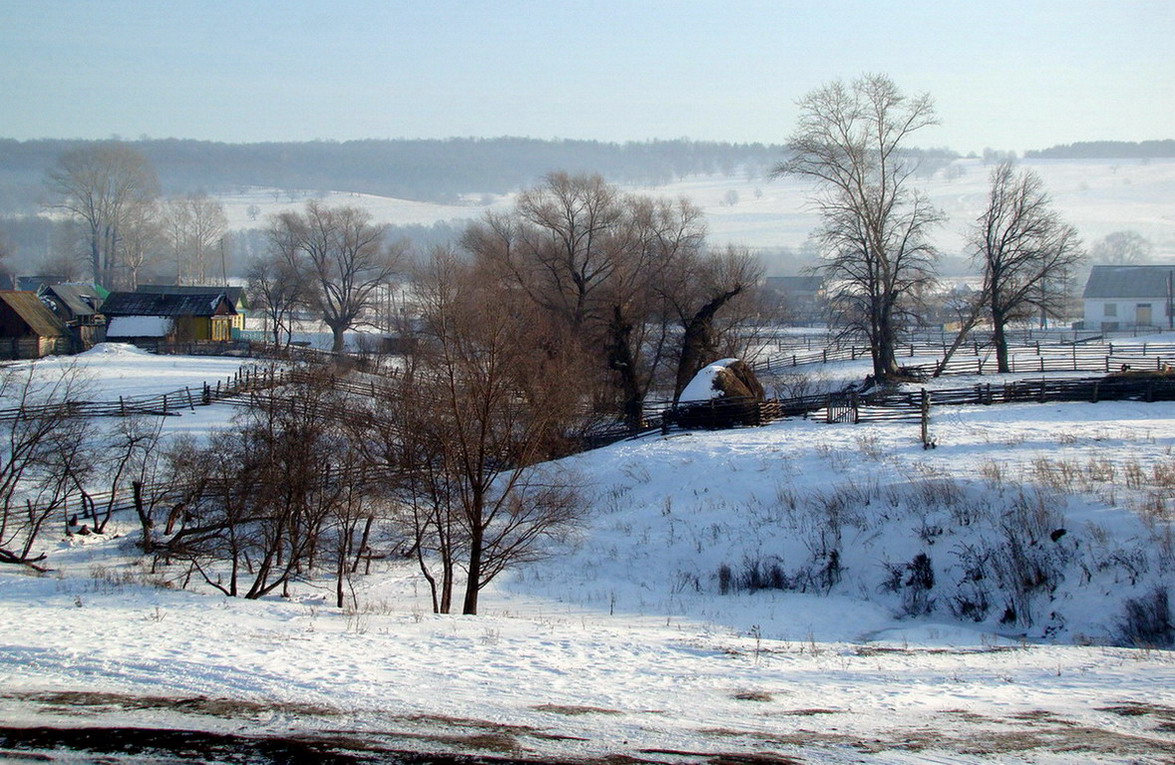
(976, 358)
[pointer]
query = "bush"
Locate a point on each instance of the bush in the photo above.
(1146, 621)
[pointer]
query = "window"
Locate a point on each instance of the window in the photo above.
(1111, 309)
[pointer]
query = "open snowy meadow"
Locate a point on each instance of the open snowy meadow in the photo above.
(799, 592)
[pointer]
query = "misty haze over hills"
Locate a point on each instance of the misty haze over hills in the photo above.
(426, 189)
(443, 170)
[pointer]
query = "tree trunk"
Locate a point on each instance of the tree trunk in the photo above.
(697, 342)
(473, 580)
(621, 360)
(145, 521)
(999, 339)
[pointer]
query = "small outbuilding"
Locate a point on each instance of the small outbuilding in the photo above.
(28, 329)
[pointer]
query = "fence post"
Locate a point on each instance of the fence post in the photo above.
(1096, 385)
(206, 395)
(121, 407)
(165, 403)
(925, 419)
(828, 410)
(191, 404)
(855, 404)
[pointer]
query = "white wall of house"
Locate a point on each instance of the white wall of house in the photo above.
(1125, 313)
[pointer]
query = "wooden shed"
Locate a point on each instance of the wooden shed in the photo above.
(29, 330)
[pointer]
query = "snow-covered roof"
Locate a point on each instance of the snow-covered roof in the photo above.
(138, 326)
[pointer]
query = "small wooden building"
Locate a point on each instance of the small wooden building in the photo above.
(29, 330)
(169, 318)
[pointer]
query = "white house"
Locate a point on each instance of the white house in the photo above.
(1126, 297)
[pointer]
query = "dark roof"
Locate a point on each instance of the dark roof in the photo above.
(147, 304)
(33, 312)
(795, 283)
(1108, 282)
(235, 295)
(80, 299)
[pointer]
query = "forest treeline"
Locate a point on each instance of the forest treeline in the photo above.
(1106, 150)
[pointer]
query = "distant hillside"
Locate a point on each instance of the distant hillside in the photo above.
(425, 170)
(1107, 150)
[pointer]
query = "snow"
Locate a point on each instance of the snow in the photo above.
(620, 643)
(1098, 196)
(138, 326)
(701, 388)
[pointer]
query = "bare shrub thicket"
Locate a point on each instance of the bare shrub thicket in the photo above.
(43, 459)
(283, 494)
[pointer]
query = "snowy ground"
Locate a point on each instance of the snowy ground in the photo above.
(1098, 196)
(622, 644)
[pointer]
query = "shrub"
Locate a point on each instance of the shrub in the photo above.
(1146, 621)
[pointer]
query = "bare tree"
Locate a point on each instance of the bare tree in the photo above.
(195, 225)
(101, 185)
(492, 419)
(277, 287)
(850, 141)
(1122, 247)
(142, 241)
(344, 258)
(1025, 249)
(706, 289)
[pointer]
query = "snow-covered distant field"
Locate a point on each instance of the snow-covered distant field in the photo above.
(622, 643)
(1098, 196)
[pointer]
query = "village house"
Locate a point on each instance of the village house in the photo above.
(1129, 297)
(150, 320)
(802, 299)
(235, 295)
(29, 330)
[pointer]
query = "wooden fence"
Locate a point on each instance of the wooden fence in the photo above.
(160, 404)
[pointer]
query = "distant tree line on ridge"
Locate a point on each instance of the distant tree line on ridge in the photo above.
(1107, 150)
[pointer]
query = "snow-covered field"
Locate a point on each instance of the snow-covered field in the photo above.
(622, 643)
(1098, 196)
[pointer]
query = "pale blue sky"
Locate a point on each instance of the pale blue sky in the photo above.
(1006, 74)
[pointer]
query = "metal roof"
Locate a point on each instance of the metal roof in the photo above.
(147, 304)
(235, 295)
(33, 312)
(80, 299)
(1109, 282)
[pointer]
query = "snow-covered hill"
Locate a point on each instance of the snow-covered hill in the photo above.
(631, 641)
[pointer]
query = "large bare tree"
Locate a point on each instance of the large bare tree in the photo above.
(344, 258)
(102, 185)
(1026, 251)
(494, 405)
(850, 140)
